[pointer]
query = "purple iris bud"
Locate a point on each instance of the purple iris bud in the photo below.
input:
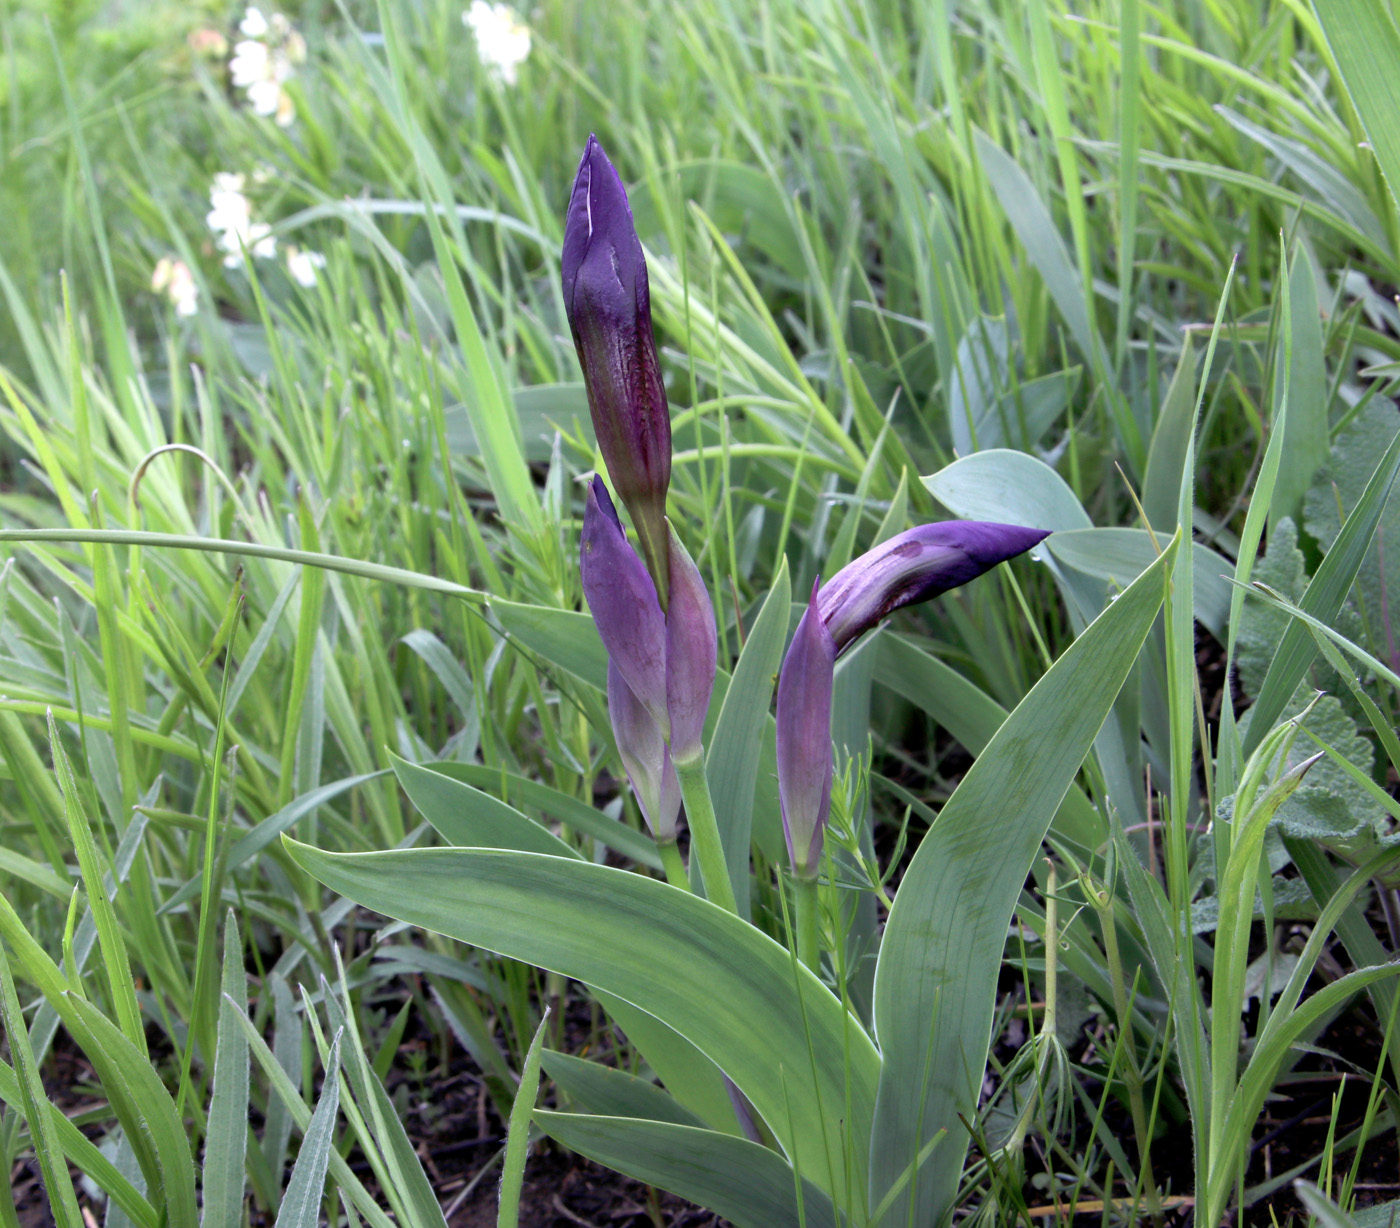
(692, 646)
(915, 566)
(665, 661)
(645, 757)
(804, 738)
(609, 308)
(623, 601)
(910, 567)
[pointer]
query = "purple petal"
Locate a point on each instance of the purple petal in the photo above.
(804, 738)
(645, 757)
(692, 647)
(915, 566)
(609, 308)
(622, 600)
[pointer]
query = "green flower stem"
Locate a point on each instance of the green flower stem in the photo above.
(705, 843)
(809, 948)
(673, 865)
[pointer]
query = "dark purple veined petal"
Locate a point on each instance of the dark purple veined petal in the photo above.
(622, 600)
(692, 646)
(914, 566)
(644, 755)
(804, 738)
(608, 303)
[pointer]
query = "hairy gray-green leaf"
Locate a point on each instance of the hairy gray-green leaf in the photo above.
(1354, 456)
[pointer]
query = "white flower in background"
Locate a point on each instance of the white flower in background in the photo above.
(251, 63)
(302, 265)
(263, 61)
(230, 217)
(174, 279)
(502, 39)
(254, 24)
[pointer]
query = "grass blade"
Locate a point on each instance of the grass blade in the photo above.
(63, 1202)
(301, 1204)
(1323, 598)
(518, 1137)
(732, 759)
(1365, 41)
(226, 1136)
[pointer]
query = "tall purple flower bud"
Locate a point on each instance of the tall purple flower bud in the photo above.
(912, 566)
(608, 303)
(804, 739)
(692, 646)
(915, 566)
(623, 602)
(645, 757)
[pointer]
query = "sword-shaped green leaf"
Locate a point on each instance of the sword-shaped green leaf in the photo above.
(739, 997)
(748, 1185)
(941, 955)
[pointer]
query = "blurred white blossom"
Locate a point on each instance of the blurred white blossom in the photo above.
(230, 217)
(263, 61)
(174, 279)
(254, 24)
(251, 63)
(302, 265)
(502, 39)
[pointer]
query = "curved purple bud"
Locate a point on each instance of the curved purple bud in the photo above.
(622, 600)
(608, 303)
(645, 757)
(915, 566)
(692, 649)
(804, 738)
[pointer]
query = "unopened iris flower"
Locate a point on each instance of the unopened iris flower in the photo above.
(913, 566)
(661, 666)
(608, 303)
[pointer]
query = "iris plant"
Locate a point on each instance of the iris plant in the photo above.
(653, 611)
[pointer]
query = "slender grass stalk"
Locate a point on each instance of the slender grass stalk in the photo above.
(705, 840)
(213, 545)
(1132, 1074)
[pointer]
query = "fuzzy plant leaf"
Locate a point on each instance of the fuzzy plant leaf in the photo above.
(1331, 807)
(1333, 725)
(1284, 570)
(1334, 494)
(1292, 902)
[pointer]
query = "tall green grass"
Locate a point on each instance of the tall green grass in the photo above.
(883, 237)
